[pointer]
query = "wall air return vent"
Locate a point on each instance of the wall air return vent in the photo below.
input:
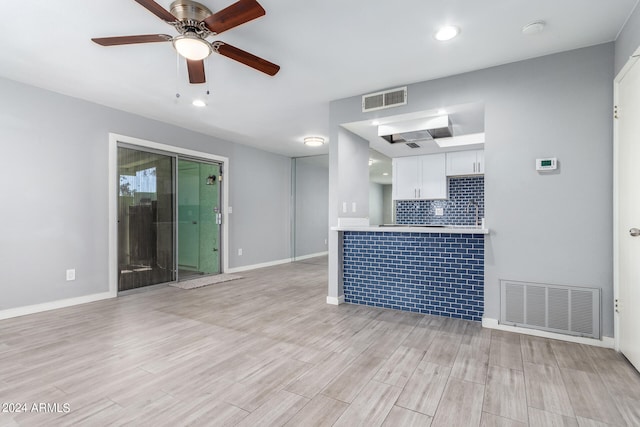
(563, 309)
(386, 99)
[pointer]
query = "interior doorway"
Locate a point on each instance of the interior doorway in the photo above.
(169, 217)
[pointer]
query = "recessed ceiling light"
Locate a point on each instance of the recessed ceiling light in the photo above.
(442, 111)
(313, 141)
(386, 174)
(375, 123)
(370, 162)
(535, 27)
(199, 103)
(447, 33)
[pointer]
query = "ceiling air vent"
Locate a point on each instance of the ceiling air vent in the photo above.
(386, 99)
(412, 145)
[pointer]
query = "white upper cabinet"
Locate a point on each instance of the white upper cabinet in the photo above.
(420, 177)
(406, 178)
(465, 163)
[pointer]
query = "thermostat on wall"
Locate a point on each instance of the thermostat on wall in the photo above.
(548, 164)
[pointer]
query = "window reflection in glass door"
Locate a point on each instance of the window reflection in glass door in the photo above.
(146, 253)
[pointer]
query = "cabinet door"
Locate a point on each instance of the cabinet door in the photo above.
(480, 161)
(433, 177)
(405, 178)
(465, 163)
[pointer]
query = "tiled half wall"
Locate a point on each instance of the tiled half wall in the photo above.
(429, 273)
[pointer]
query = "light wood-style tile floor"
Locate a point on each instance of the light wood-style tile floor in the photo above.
(267, 350)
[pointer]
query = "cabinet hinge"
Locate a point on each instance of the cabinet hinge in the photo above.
(615, 111)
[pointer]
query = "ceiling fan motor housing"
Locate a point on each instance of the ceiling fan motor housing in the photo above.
(189, 10)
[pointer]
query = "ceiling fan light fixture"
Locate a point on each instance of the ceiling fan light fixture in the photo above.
(192, 47)
(313, 141)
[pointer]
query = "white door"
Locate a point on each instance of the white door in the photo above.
(628, 216)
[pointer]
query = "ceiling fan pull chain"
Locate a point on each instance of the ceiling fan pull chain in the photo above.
(208, 80)
(177, 75)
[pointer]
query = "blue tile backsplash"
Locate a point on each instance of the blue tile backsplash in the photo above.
(461, 191)
(429, 273)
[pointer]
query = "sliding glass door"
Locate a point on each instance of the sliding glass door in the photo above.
(198, 218)
(146, 253)
(168, 218)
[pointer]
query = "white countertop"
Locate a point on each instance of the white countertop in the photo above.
(419, 229)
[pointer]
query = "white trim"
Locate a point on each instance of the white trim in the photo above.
(114, 138)
(53, 305)
(303, 257)
(616, 256)
(335, 301)
(261, 265)
(489, 323)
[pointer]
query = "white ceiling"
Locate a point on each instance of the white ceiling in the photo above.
(327, 49)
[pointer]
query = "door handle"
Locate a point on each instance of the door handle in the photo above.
(474, 167)
(634, 232)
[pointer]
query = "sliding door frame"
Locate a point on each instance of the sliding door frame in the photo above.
(114, 140)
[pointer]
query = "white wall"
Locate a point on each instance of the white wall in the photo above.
(388, 205)
(54, 212)
(376, 204)
(311, 205)
(553, 228)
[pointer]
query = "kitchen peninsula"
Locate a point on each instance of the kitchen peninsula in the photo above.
(422, 269)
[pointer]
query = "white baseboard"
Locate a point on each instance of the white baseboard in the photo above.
(606, 342)
(303, 257)
(261, 265)
(335, 301)
(38, 308)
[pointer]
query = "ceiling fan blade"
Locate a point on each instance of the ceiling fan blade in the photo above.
(234, 15)
(246, 58)
(146, 38)
(196, 71)
(157, 10)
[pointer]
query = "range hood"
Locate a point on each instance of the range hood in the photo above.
(416, 130)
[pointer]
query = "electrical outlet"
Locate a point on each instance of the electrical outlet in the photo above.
(344, 207)
(230, 209)
(325, 241)
(353, 206)
(71, 274)
(439, 211)
(240, 252)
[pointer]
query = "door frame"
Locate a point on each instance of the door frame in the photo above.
(616, 188)
(114, 139)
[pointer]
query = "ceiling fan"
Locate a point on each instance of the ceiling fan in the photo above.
(195, 23)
